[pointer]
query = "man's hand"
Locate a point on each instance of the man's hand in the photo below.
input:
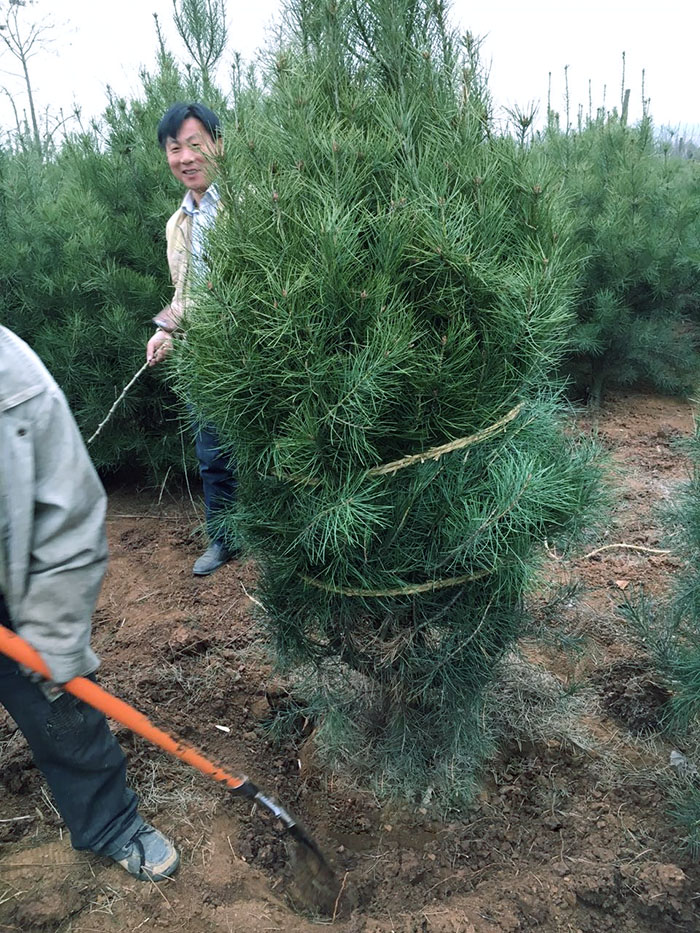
(158, 347)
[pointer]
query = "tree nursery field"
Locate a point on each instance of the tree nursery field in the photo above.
(474, 679)
(570, 829)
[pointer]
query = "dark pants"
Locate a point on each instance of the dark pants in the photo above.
(218, 478)
(79, 757)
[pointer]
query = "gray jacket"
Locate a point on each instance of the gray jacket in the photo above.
(53, 548)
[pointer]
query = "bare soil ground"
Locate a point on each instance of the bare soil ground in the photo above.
(563, 837)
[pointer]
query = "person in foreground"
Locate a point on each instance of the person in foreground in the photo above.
(53, 556)
(190, 136)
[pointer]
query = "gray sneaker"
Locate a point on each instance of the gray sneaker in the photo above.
(148, 855)
(215, 556)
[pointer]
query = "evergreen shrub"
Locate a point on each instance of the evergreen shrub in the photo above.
(635, 207)
(388, 293)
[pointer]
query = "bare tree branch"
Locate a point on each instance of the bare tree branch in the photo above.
(23, 39)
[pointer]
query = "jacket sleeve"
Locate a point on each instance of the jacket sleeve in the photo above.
(176, 234)
(68, 546)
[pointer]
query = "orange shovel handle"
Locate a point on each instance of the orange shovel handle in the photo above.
(21, 651)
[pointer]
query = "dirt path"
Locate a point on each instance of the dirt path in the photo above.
(565, 836)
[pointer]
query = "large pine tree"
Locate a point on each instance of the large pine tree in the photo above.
(388, 292)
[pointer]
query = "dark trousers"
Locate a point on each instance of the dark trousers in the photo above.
(79, 757)
(218, 478)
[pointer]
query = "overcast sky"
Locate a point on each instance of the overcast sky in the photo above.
(96, 44)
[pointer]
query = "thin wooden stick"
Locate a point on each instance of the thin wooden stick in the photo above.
(123, 393)
(117, 515)
(631, 547)
(252, 598)
(340, 894)
(21, 865)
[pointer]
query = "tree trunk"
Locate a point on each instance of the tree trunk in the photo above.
(32, 111)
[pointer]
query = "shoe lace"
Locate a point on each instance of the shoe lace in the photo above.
(139, 846)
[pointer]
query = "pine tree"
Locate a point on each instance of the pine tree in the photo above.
(635, 206)
(83, 266)
(388, 293)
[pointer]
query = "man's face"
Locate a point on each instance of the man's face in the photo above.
(191, 156)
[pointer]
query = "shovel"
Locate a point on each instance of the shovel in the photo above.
(317, 881)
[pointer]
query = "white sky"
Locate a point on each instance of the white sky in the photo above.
(96, 44)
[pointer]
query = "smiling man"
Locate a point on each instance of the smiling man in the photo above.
(190, 135)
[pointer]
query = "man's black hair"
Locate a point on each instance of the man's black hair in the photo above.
(172, 120)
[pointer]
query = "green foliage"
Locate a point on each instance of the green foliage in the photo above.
(201, 25)
(635, 206)
(387, 276)
(83, 269)
(685, 810)
(669, 631)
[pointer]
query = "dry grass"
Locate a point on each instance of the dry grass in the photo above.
(530, 705)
